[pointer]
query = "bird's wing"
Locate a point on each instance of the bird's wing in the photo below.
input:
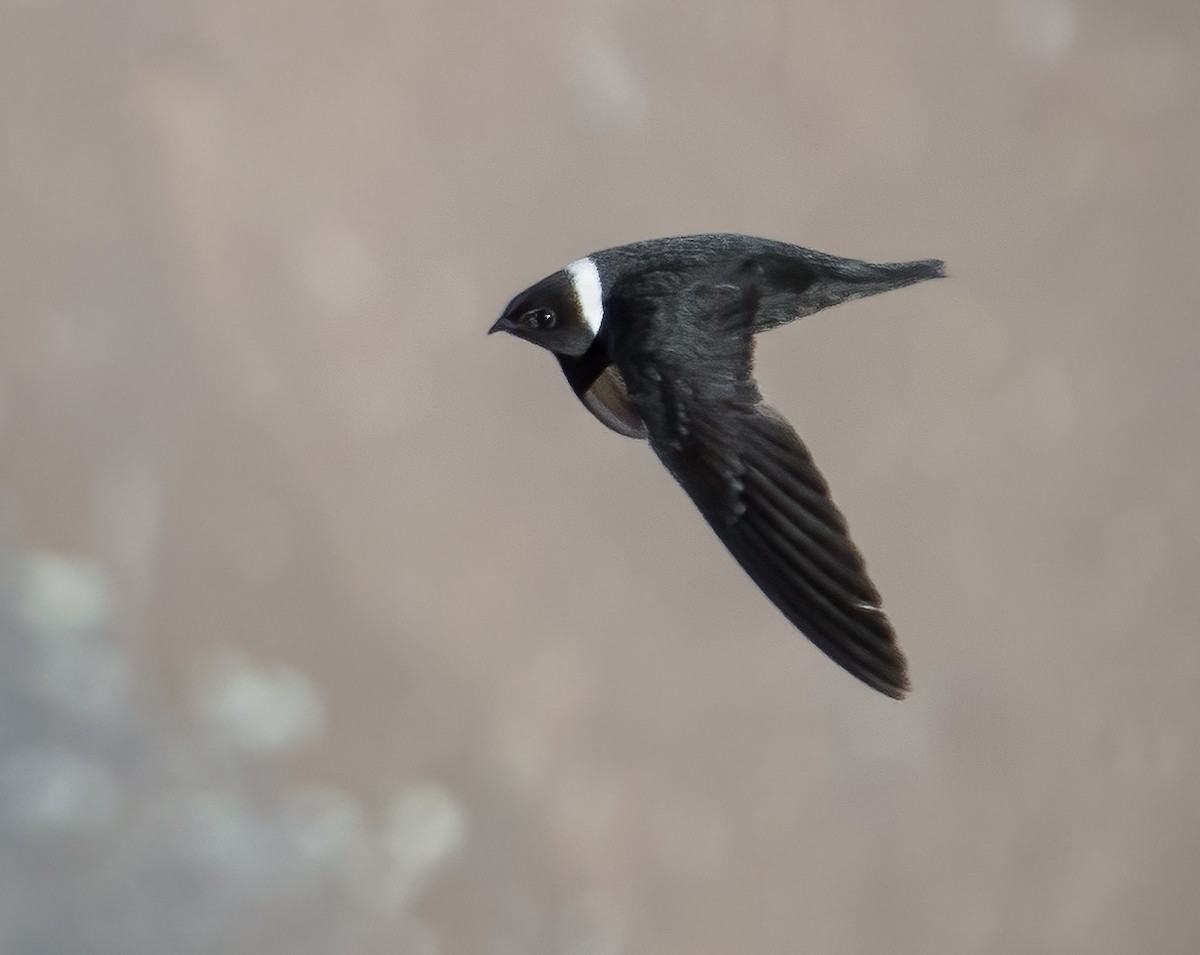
(752, 478)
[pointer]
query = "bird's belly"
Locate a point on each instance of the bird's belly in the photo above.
(608, 400)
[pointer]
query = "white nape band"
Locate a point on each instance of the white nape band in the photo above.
(585, 277)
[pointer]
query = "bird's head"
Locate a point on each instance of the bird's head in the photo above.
(561, 313)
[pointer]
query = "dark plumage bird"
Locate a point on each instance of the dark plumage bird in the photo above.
(656, 338)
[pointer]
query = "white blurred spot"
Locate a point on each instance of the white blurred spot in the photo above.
(213, 829)
(232, 849)
(258, 709)
(326, 826)
(62, 595)
(425, 826)
(65, 604)
(606, 85)
(1041, 30)
(57, 790)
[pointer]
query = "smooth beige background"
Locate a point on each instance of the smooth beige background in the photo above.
(332, 625)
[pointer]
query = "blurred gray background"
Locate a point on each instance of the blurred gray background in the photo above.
(332, 625)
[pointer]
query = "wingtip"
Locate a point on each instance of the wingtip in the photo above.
(892, 681)
(924, 269)
(899, 685)
(853, 279)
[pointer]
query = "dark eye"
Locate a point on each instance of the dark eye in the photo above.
(538, 318)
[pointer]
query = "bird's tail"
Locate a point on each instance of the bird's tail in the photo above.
(869, 278)
(818, 281)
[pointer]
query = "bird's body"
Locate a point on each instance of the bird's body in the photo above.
(656, 339)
